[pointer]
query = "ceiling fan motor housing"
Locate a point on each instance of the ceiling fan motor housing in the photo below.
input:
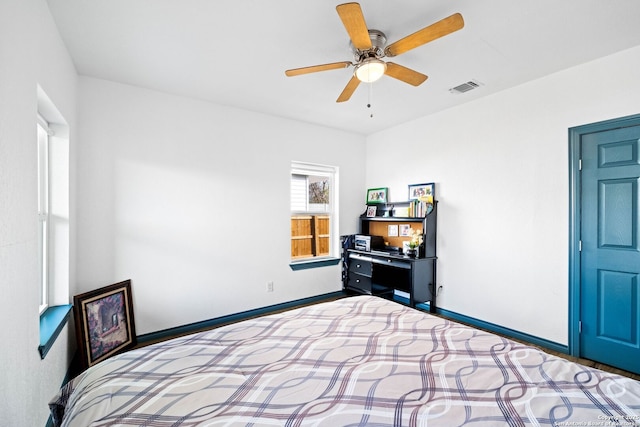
(378, 41)
(369, 66)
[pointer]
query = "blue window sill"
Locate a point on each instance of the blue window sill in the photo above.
(51, 323)
(303, 265)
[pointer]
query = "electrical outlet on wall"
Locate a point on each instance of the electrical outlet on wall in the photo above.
(269, 286)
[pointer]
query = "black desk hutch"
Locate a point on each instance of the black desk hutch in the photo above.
(381, 272)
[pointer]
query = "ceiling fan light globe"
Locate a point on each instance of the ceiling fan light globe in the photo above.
(370, 70)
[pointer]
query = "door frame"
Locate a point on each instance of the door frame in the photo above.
(575, 204)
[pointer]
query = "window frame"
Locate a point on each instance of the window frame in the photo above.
(55, 206)
(316, 170)
(43, 140)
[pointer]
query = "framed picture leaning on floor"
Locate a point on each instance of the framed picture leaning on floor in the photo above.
(104, 322)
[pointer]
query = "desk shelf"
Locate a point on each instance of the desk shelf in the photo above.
(380, 272)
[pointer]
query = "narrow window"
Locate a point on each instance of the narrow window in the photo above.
(43, 212)
(313, 211)
(53, 255)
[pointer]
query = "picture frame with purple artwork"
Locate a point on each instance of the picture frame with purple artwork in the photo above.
(105, 322)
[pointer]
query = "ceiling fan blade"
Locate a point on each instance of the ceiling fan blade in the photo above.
(405, 74)
(316, 68)
(353, 20)
(432, 32)
(349, 89)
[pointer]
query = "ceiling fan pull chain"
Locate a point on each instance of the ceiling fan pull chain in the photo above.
(370, 96)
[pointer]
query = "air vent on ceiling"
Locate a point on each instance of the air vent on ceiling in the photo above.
(466, 87)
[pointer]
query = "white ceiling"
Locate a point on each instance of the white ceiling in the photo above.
(235, 52)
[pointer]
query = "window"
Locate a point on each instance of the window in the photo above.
(313, 211)
(53, 169)
(43, 212)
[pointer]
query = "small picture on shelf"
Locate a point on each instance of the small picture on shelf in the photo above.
(423, 192)
(377, 195)
(392, 230)
(371, 211)
(404, 230)
(402, 212)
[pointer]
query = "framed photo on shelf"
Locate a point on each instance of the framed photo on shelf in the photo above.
(104, 322)
(371, 211)
(419, 191)
(377, 195)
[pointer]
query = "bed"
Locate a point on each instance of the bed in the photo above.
(356, 361)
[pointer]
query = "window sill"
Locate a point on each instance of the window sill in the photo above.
(315, 263)
(51, 323)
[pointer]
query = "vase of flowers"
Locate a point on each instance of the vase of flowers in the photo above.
(414, 243)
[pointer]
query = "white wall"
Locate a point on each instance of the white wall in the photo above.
(501, 170)
(31, 54)
(190, 200)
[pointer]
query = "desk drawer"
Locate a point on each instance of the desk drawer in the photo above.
(360, 266)
(391, 262)
(360, 283)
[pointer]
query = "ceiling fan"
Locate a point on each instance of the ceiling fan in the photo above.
(369, 48)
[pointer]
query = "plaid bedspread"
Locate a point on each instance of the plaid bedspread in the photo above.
(358, 361)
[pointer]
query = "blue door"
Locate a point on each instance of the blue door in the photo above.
(610, 240)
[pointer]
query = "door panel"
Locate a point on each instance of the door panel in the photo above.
(616, 315)
(610, 257)
(616, 223)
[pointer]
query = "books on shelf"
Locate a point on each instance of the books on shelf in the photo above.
(419, 208)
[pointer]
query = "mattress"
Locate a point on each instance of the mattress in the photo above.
(357, 361)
